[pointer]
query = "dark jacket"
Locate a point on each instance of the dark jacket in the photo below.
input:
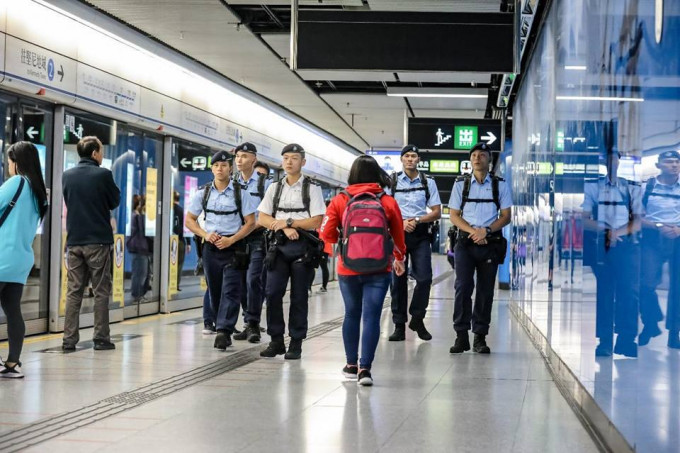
(90, 194)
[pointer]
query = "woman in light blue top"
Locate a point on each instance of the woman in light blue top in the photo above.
(16, 239)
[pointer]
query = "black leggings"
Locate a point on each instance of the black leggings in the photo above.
(325, 275)
(10, 298)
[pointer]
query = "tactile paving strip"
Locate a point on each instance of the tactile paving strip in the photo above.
(49, 428)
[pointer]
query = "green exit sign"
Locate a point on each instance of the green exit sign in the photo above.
(466, 137)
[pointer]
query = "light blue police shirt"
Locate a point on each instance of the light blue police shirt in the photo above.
(252, 187)
(224, 225)
(413, 204)
(663, 204)
(480, 215)
(613, 200)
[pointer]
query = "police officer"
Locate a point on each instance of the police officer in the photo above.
(415, 193)
(292, 210)
(612, 207)
(229, 218)
(661, 244)
(480, 206)
(252, 294)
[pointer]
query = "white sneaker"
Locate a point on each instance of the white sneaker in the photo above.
(13, 372)
(209, 330)
(365, 378)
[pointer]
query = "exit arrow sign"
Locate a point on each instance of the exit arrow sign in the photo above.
(31, 132)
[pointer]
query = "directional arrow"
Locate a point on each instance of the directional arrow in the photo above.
(31, 132)
(60, 72)
(185, 162)
(489, 138)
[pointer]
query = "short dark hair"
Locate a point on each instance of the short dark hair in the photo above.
(87, 145)
(259, 164)
(365, 169)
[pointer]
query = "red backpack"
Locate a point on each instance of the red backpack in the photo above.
(366, 245)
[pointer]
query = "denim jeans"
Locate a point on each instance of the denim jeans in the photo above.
(139, 271)
(364, 296)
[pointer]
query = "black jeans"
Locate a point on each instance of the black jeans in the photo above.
(10, 298)
(419, 251)
(471, 258)
(288, 266)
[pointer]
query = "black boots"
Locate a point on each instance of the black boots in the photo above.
(294, 350)
(399, 333)
(462, 343)
(479, 346)
(418, 326)
(222, 340)
(275, 347)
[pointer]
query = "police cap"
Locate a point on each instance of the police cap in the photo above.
(246, 147)
(410, 148)
(669, 155)
(221, 156)
(293, 148)
(481, 146)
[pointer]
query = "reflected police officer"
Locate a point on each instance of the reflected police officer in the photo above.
(292, 209)
(660, 245)
(252, 294)
(611, 209)
(229, 218)
(415, 193)
(480, 206)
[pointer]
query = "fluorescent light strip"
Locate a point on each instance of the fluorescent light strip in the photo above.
(575, 68)
(598, 98)
(438, 95)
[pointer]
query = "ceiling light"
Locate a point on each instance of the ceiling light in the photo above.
(575, 68)
(416, 92)
(598, 98)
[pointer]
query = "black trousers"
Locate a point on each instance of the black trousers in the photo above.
(657, 250)
(224, 285)
(471, 258)
(419, 257)
(252, 288)
(10, 298)
(288, 266)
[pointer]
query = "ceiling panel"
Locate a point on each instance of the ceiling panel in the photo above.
(448, 103)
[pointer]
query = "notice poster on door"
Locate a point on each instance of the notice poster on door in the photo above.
(151, 197)
(119, 269)
(174, 259)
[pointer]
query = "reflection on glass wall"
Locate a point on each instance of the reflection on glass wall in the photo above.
(190, 170)
(23, 119)
(596, 231)
(134, 159)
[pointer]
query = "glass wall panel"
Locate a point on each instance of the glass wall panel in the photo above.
(24, 119)
(596, 228)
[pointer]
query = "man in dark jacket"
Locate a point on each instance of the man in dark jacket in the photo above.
(90, 194)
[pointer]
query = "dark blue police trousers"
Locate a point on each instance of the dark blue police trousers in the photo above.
(224, 285)
(471, 258)
(288, 266)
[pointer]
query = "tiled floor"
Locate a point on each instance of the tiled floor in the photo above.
(423, 400)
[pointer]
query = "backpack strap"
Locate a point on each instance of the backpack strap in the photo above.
(15, 198)
(260, 185)
(467, 179)
(426, 186)
(495, 190)
(649, 188)
(394, 179)
(277, 197)
(306, 199)
(237, 200)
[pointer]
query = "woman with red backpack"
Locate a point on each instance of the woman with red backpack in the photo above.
(368, 225)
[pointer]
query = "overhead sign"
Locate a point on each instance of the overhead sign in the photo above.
(191, 159)
(28, 63)
(444, 166)
(449, 134)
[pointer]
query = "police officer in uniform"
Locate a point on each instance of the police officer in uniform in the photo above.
(612, 207)
(661, 244)
(478, 247)
(252, 294)
(292, 210)
(415, 193)
(227, 223)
